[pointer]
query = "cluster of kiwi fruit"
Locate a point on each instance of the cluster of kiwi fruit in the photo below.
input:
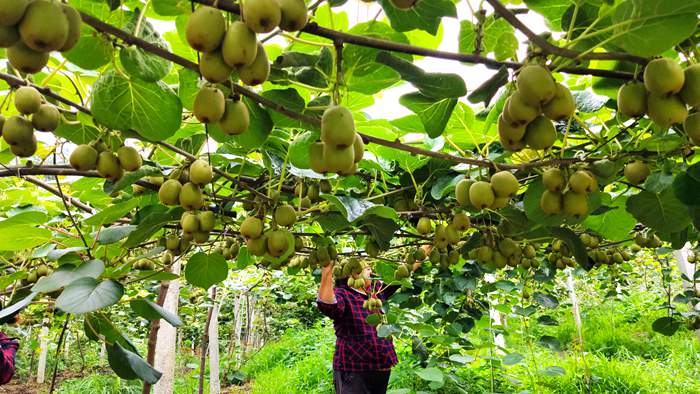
(110, 165)
(503, 252)
(560, 255)
(444, 258)
(322, 256)
(31, 29)
(528, 113)
(353, 269)
(230, 114)
(37, 273)
(494, 194)
(273, 242)
(665, 96)
(18, 130)
(340, 148)
(310, 192)
(404, 269)
(647, 239)
(228, 248)
(568, 197)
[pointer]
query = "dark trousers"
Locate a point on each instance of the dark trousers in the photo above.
(369, 382)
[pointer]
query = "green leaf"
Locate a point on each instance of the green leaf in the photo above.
(554, 371)
(150, 108)
(434, 114)
(546, 300)
(87, 294)
(552, 10)
(23, 237)
(550, 343)
(149, 310)
(431, 374)
(614, 224)
(29, 217)
(204, 270)
(129, 365)
(588, 101)
(299, 149)
(66, 274)
(513, 358)
(424, 15)
(351, 207)
(114, 234)
(662, 212)
(150, 224)
(686, 185)
(92, 50)
(373, 319)
(139, 63)
(17, 306)
(575, 245)
(666, 325)
(112, 213)
(130, 178)
(434, 85)
(649, 27)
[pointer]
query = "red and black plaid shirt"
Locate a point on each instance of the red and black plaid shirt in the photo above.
(8, 348)
(357, 346)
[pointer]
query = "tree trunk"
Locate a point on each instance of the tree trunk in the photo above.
(43, 352)
(164, 359)
(214, 379)
(153, 336)
(688, 269)
(205, 343)
(574, 305)
(238, 329)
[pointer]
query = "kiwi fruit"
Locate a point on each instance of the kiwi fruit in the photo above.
(632, 99)
(511, 146)
(481, 195)
(540, 133)
(257, 246)
(25, 59)
(236, 118)
(338, 159)
(561, 106)
(205, 29)
(359, 148)
(451, 234)
(191, 197)
(240, 45)
(129, 158)
(316, 158)
(261, 16)
(692, 127)
(403, 4)
(201, 172)
(690, 93)
(12, 11)
(520, 111)
(9, 36)
(504, 184)
(258, 71)
(46, 118)
(663, 76)
(636, 172)
(207, 221)
(25, 148)
(551, 202)
(461, 221)
(27, 100)
(424, 225)
(44, 26)
(462, 192)
(251, 227)
(500, 202)
(580, 182)
(338, 127)
(285, 215)
(666, 110)
(169, 192)
(536, 85)
(74, 24)
(553, 179)
(277, 243)
(294, 14)
(213, 67)
(17, 130)
(189, 222)
(108, 166)
(84, 158)
(209, 105)
(508, 133)
(575, 205)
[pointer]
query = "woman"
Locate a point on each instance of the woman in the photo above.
(362, 360)
(8, 349)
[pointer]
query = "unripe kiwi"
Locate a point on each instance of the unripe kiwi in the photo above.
(338, 126)
(551, 202)
(451, 234)
(540, 133)
(189, 222)
(46, 118)
(207, 221)
(44, 26)
(129, 158)
(17, 130)
(692, 127)
(12, 11)
(462, 192)
(424, 226)
(500, 202)
(520, 111)
(205, 29)
(553, 180)
(261, 16)
(663, 76)
(240, 45)
(213, 67)
(84, 158)
(27, 100)
(285, 215)
(108, 166)
(508, 133)
(9, 36)
(25, 59)
(504, 184)
(636, 172)
(293, 14)
(277, 242)
(251, 227)
(536, 85)
(316, 160)
(481, 195)
(169, 192)
(236, 119)
(691, 87)
(561, 106)
(581, 182)
(26, 148)
(191, 197)
(359, 148)
(201, 172)
(666, 110)
(209, 105)
(74, 24)
(461, 221)
(575, 205)
(338, 159)
(632, 99)
(258, 71)
(200, 237)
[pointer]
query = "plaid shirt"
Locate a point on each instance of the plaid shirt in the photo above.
(357, 346)
(8, 348)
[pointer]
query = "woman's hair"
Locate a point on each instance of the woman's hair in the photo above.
(341, 282)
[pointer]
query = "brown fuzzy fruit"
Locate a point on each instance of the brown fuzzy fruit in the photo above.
(213, 67)
(691, 87)
(169, 192)
(129, 158)
(536, 85)
(666, 110)
(520, 111)
(9, 36)
(205, 29)
(236, 118)
(294, 14)
(561, 106)
(17, 130)
(108, 166)
(44, 26)
(636, 172)
(25, 59)
(12, 11)
(46, 118)
(240, 45)
(258, 71)
(338, 127)
(481, 195)
(692, 127)
(74, 24)
(27, 100)
(191, 197)
(209, 105)
(84, 158)
(261, 16)
(540, 133)
(632, 99)
(663, 76)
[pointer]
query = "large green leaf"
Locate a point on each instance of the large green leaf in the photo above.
(92, 50)
(150, 108)
(23, 237)
(87, 294)
(299, 149)
(204, 270)
(552, 10)
(686, 185)
(139, 63)
(16, 307)
(434, 114)
(424, 15)
(150, 224)
(662, 212)
(112, 213)
(614, 224)
(151, 311)
(129, 365)
(115, 234)
(67, 273)
(29, 217)
(434, 85)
